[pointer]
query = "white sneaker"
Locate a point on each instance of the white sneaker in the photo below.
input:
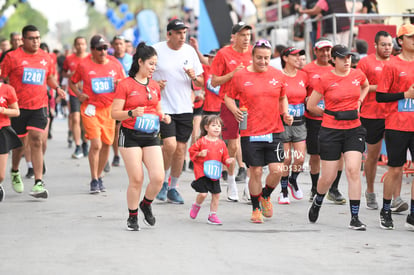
(283, 199)
(232, 193)
(296, 194)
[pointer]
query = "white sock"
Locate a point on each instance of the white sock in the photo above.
(173, 183)
(167, 175)
(246, 185)
(29, 164)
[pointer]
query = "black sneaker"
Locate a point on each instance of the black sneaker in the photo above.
(241, 175)
(314, 212)
(30, 173)
(312, 194)
(336, 197)
(132, 223)
(149, 219)
(115, 161)
(356, 224)
(386, 220)
(224, 175)
(409, 223)
(2, 194)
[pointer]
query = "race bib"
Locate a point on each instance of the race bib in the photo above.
(147, 123)
(262, 138)
(33, 76)
(321, 104)
(210, 88)
(102, 85)
(212, 169)
(297, 110)
(406, 105)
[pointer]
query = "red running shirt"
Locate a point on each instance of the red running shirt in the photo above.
(212, 100)
(98, 80)
(70, 64)
(136, 95)
(28, 75)
(216, 150)
(314, 72)
(226, 61)
(260, 93)
(372, 68)
(296, 93)
(7, 97)
(341, 93)
(398, 76)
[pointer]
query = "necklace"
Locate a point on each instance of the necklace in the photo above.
(149, 96)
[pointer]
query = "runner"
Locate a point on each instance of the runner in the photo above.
(177, 66)
(396, 87)
(137, 105)
(69, 67)
(29, 70)
(100, 76)
(343, 90)
(314, 70)
(294, 135)
(228, 61)
(261, 89)
(8, 137)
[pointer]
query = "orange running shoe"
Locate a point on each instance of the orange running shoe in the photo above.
(257, 216)
(267, 207)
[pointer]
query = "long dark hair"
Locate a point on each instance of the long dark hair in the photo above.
(207, 120)
(142, 52)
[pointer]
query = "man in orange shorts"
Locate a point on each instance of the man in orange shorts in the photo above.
(99, 75)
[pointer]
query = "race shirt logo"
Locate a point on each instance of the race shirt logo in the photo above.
(273, 82)
(232, 62)
(102, 85)
(214, 90)
(33, 76)
(335, 85)
(2, 100)
(301, 83)
(355, 82)
(316, 76)
(43, 62)
(247, 83)
(112, 73)
(378, 68)
(24, 62)
(403, 74)
(92, 72)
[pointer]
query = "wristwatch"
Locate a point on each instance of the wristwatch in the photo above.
(130, 113)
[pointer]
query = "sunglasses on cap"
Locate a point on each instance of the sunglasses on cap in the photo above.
(263, 43)
(102, 48)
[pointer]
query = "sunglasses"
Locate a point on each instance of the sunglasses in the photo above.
(149, 93)
(102, 48)
(263, 43)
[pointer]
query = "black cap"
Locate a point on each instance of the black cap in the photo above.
(240, 26)
(98, 41)
(292, 50)
(176, 24)
(212, 53)
(340, 51)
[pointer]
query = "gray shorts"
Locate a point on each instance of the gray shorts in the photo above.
(294, 133)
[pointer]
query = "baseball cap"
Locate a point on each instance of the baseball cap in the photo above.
(212, 53)
(323, 43)
(98, 41)
(340, 51)
(292, 50)
(176, 24)
(240, 26)
(407, 29)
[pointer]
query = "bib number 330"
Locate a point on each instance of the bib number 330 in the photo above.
(102, 85)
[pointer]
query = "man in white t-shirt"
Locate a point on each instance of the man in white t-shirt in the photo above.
(178, 65)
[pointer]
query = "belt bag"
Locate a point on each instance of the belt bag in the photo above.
(343, 115)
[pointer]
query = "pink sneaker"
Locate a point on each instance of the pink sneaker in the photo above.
(213, 219)
(194, 211)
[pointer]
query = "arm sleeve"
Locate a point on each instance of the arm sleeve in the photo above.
(387, 97)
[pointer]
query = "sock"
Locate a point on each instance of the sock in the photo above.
(284, 185)
(211, 213)
(231, 179)
(246, 185)
(255, 201)
(412, 207)
(292, 180)
(386, 205)
(319, 198)
(315, 178)
(267, 191)
(15, 171)
(133, 212)
(29, 164)
(354, 205)
(146, 201)
(173, 183)
(334, 185)
(167, 175)
(38, 181)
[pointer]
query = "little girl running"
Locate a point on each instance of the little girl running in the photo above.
(207, 154)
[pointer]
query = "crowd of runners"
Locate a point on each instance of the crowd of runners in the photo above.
(150, 102)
